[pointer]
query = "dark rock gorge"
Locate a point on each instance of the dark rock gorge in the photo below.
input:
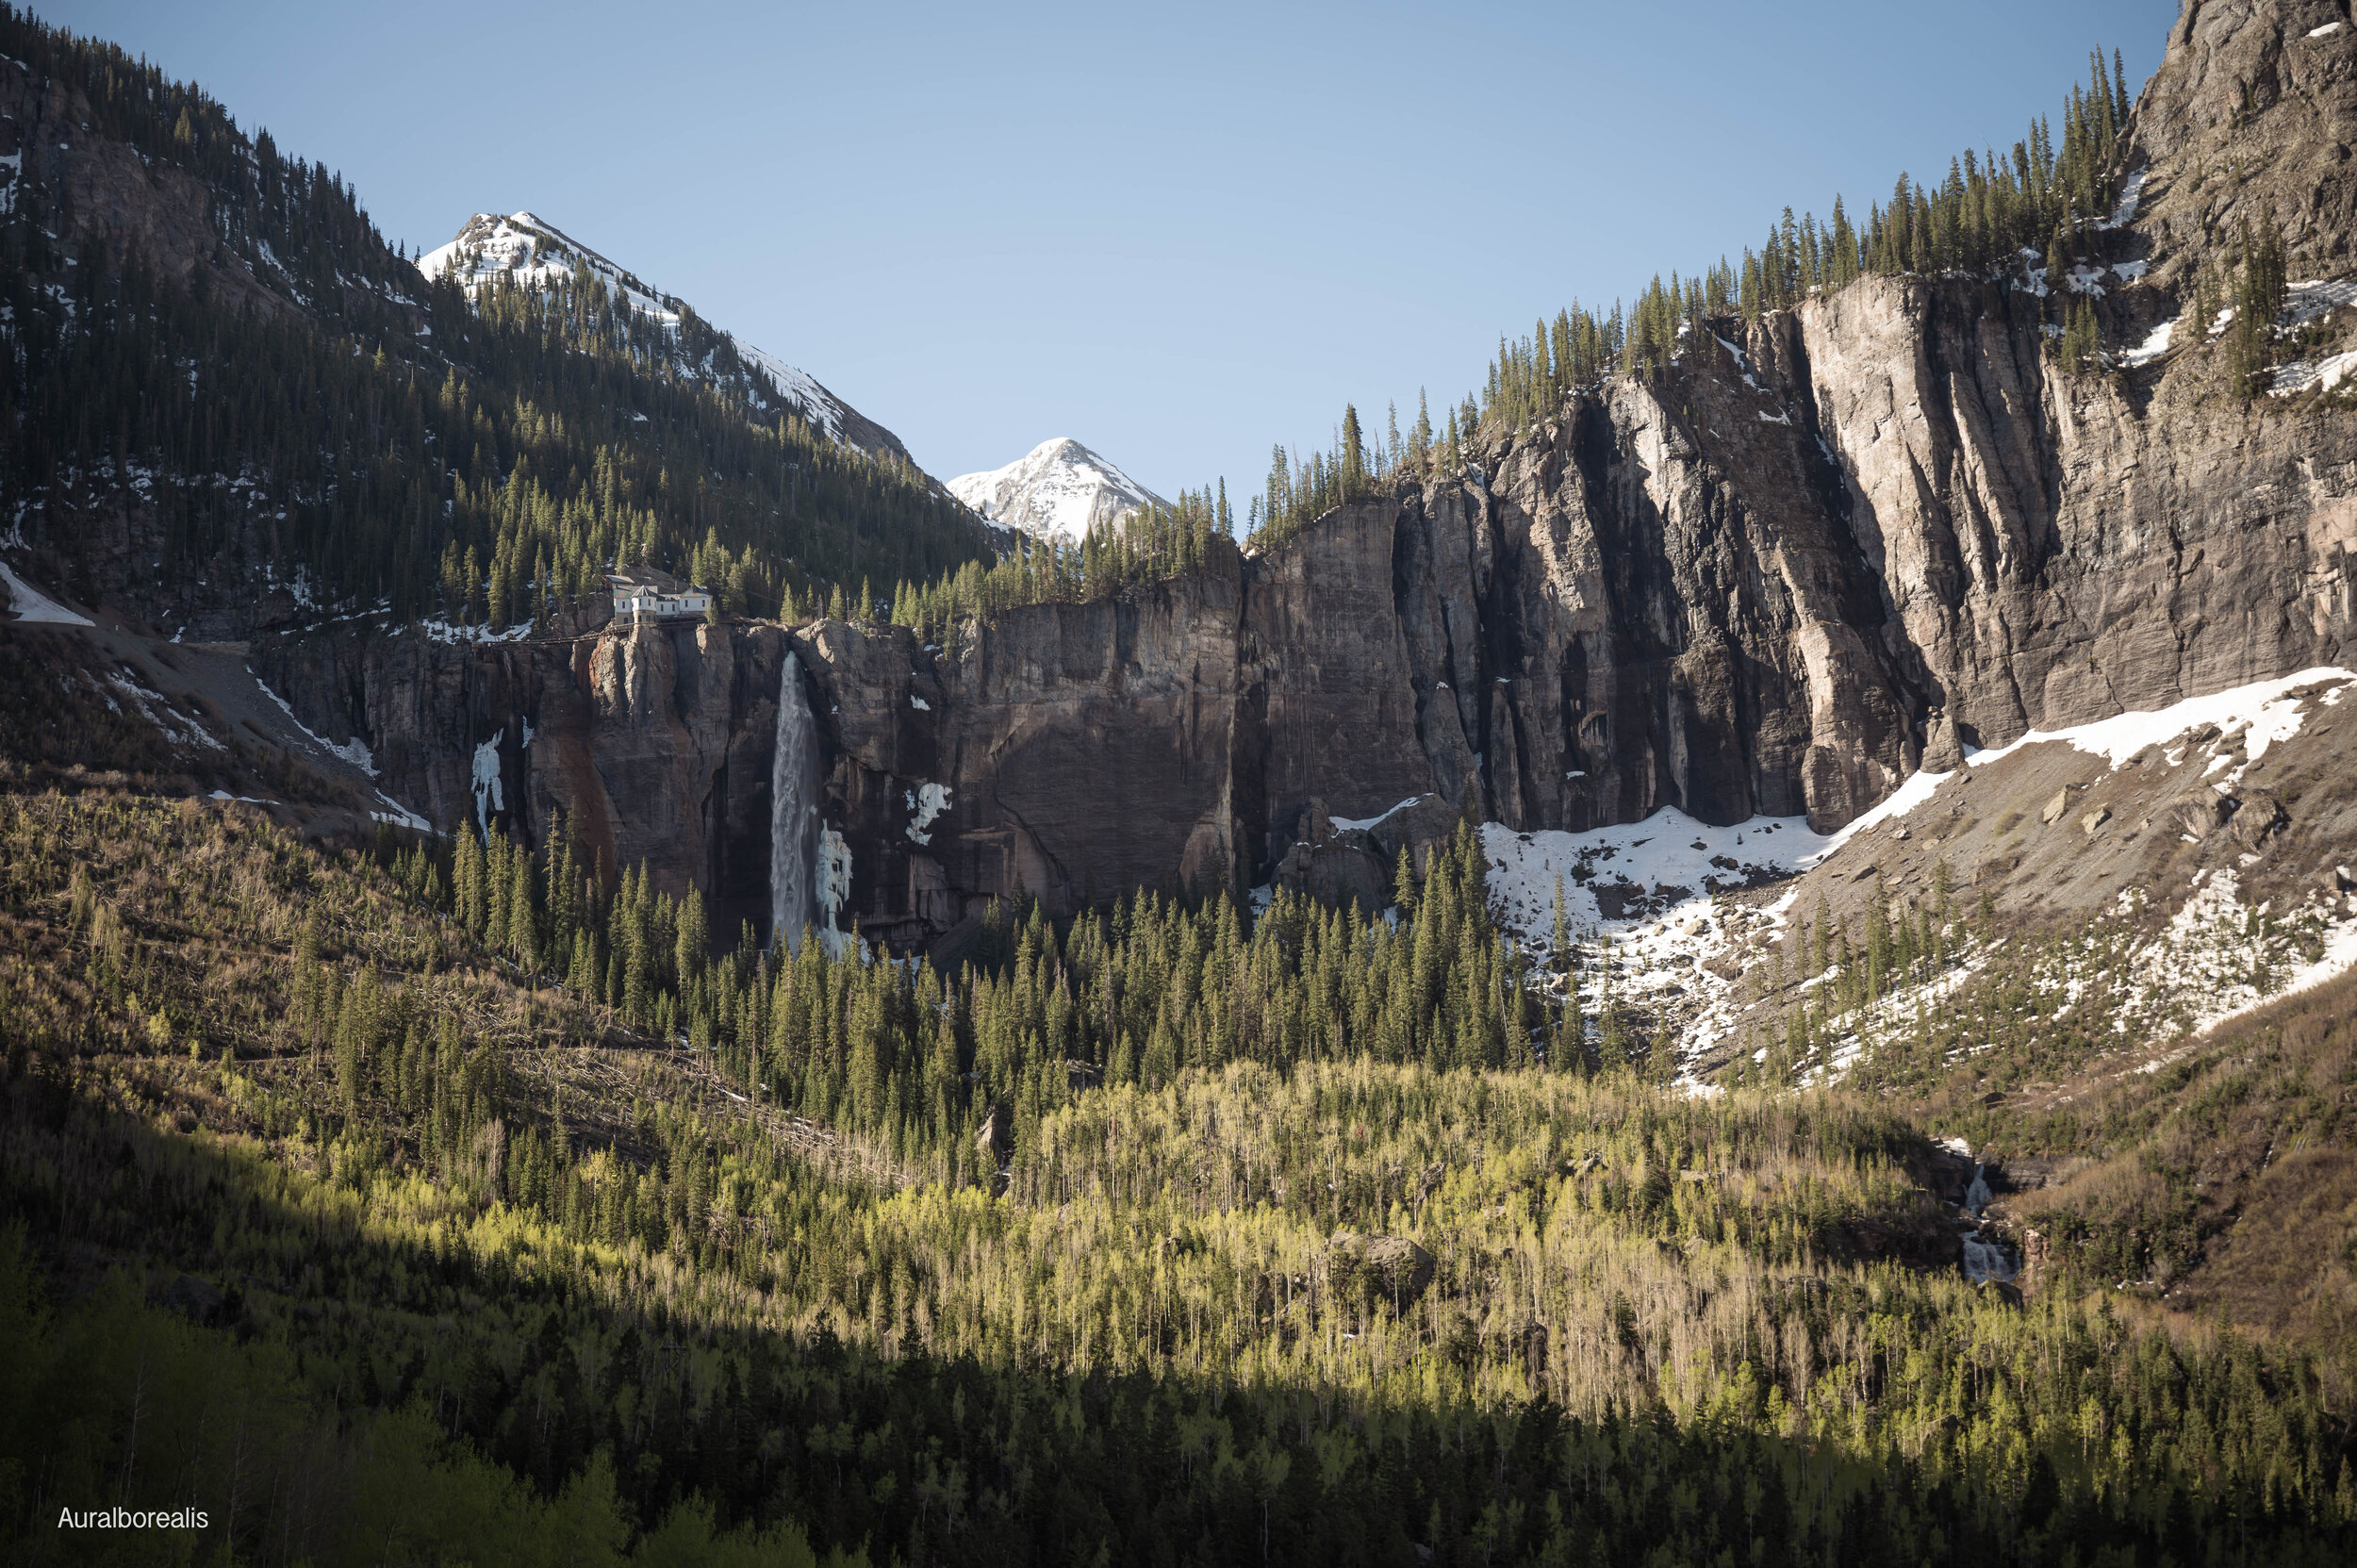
(1774, 580)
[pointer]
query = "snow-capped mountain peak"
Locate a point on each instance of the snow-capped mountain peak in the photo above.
(1059, 490)
(530, 252)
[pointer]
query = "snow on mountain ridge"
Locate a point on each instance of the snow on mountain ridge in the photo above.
(1059, 490)
(535, 253)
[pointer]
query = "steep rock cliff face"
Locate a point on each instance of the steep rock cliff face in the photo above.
(654, 740)
(2250, 116)
(2056, 550)
(1819, 551)
(1770, 579)
(1084, 749)
(1675, 613)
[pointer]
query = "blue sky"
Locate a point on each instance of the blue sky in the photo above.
(1178, 233)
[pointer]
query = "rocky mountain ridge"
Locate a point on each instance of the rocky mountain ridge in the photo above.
(528, 252)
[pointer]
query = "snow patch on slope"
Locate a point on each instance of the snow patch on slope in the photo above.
(2305, 301)
(1650, 895)
(2262, 708)
(2300, 374)
(2129, 194)
(2262, 711)
(1647, 896)
(355, 751)
(30, 604)
(2217, 959)
(157, 710)
(2154, 346)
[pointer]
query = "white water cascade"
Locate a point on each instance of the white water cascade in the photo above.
(793, 813)
(1982, 1259)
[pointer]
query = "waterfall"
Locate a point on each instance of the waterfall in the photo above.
(1976, 1197)
(793, 813)
(1984, 1256)
(1987, 1259)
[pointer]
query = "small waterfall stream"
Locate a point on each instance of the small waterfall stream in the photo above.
(793, 813)
(1983, 1258)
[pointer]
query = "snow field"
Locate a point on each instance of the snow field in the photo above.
(1659, 875)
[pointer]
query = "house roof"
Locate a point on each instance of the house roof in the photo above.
(650, 580)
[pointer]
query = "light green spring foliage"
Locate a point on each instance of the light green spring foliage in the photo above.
(914, 1058)
(591, 1262)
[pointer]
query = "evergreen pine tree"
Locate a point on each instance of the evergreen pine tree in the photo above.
(1559, 942)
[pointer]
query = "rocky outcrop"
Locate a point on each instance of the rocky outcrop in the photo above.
(2248, 119)
(1367, 1272)
(108, 197)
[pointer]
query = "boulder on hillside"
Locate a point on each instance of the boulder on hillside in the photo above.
(2003, 1291)
(1342, 870)
(1338, 863)
(2258, 816)
(1370, 1271)
(2198, 814)
(1343, 874)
